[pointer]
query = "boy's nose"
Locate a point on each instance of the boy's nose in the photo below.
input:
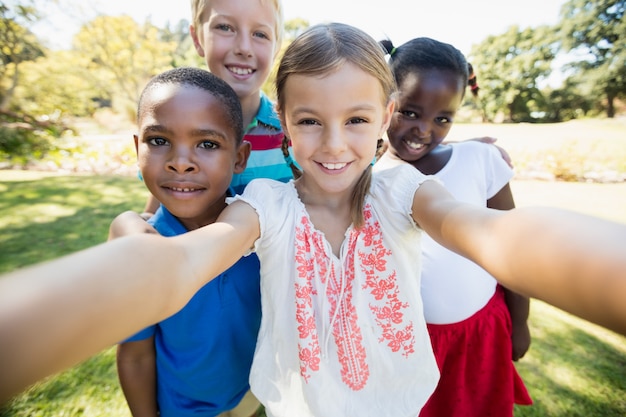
(180, 163)
(243, 45)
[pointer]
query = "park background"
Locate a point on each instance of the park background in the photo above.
(552, 92)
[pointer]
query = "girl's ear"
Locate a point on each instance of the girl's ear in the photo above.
(389, 109)
(281, 117)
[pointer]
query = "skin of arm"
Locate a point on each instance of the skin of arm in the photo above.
(570, 260)
(136, 368)
(518, 305)
(58, 313)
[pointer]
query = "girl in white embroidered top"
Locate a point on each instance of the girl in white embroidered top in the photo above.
(342, 332)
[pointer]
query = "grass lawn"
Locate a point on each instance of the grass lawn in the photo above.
(573, 368)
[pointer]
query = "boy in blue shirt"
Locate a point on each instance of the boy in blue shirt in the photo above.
(189, 145)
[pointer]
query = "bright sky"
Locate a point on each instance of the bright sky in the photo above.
(462, 23)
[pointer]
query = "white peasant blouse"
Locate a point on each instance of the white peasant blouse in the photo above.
(341, 336)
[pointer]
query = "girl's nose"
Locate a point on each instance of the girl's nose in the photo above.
(421, 130)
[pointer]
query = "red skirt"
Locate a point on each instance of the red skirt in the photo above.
(478, 377)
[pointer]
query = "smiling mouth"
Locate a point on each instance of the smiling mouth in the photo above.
(183, 190)
(415, 145)
(241, 71)
(334, 166)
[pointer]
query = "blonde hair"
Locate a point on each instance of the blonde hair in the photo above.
(199, 6)
(323, 49)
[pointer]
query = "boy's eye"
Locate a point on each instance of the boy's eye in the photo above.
(224, 27)
(262, 35)
(443, 120)
(207, 144)
(158, 141)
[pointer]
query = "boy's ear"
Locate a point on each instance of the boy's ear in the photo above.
(243, 153)
(136, 139)
(196, 42)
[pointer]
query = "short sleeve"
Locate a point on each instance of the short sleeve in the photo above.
(393, 190)
(273, 202)
(141, 335)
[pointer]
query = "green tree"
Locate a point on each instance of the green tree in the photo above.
(26, 131)
(53, 86)
(17, 45)
(596, 31)
(120, 56)
(510, 67)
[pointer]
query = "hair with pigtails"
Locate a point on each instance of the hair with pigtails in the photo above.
(323, 49)
(421, 54)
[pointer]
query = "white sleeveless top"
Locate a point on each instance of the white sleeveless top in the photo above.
(341, 336)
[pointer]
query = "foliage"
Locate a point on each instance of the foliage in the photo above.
(120, 56)
(17, 45)
(596, 31)
(24, 138)
(53, 86)
(510, 67)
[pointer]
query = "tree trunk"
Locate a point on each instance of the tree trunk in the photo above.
(610, 105)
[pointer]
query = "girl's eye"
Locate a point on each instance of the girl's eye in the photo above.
(357, 120)
(158, 141)
(207, 144)
(409, 114)
(443, 120)
(307, 122)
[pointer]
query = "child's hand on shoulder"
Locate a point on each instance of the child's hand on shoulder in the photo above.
(129, 223)
(492, 141)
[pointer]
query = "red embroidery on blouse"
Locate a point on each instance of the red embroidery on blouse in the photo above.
(335, 289)
(386, 305)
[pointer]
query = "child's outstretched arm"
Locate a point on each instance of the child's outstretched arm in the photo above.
(57, 313)
(570, 260)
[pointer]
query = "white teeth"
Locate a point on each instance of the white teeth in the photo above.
(415, 146)
(334, 166)
(240, 71)
(184, 190)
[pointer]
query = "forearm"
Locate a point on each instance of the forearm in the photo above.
(58, 313)
(137, 375)
(55, 314)
(572, 261)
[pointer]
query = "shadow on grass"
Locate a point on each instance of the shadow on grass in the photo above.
(53, 216)
(88, 389)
